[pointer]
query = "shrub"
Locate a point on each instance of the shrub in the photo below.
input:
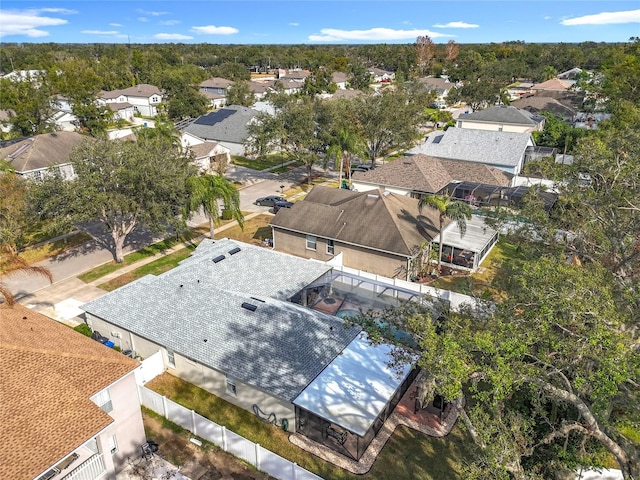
(84, 329)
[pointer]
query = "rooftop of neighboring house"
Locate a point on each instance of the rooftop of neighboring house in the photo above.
(503, 114)
(379, 71)
(49, 372)
(262, 86)
(376, 219)
(203, 149)
(216, 82)
(116, 106)
(41, 151)
(481, 146)
(553, 84)
(143, 90)
(436, 83)
(228, 124)
(339, 77)
(227, 307)
(538, 103)
(422, 173)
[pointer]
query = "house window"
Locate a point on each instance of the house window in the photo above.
(171, 358)
(103, 400)
(330, 247)
(231, 386)
(112, 444)
(311, 242)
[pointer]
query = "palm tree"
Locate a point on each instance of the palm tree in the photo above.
(205, 191)
(457, 211)
(344, 146)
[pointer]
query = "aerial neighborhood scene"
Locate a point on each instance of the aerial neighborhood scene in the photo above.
(306, 240)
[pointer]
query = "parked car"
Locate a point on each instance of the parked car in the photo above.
(269, 201)
(281, 204)
(360, 168)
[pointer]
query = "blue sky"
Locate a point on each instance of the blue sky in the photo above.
(317, 21)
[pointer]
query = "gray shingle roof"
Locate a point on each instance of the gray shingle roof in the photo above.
(376, 220)
(41, 151)
(481, 146)
(143, 90)
(422, 173)
(537, 103)
(196, 311)
(503, 114)
(232, 128)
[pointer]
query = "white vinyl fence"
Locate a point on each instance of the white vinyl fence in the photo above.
(253, 453)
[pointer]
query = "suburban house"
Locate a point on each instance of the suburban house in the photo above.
(417, 175)
(502, 118)
(144, 98)
(554, 88)
(208, 156)
(227, 126)
(260, 88)
(216, 85)
(375, 231)
(33, 157)
(504, 150)
(262, 330)
(538, 104)
(440, 86)
(381, 76)
(69, 406)
(340, 79)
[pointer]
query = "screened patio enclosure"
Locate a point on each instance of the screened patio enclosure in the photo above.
(469, 250)
(486, 195)
(347, 404)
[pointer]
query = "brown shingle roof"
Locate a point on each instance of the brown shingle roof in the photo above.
(553, 84)
(535, 103)
(202, 149)
(377, 220)
(48, 373)
(423, 173)
(41, 151)
(216, 82)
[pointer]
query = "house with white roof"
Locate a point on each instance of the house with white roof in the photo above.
(504, 150)
(248, 325)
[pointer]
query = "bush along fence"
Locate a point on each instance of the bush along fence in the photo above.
(264, 460)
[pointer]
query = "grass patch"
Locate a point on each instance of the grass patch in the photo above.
(481, 283)
(255, 230)
(407, 455)
(33, 255)
(84, 329)
(261, 163)
(161, 265)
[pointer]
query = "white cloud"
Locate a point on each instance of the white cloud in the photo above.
(171, 36)
(143, 19)
(116, 25)
(64, 11)
(294, 24)
(547, 17)
(29, 22)
(169, 22)
(100, 32)
(213, 30)
(456, 25)
(151, 13)
(374, 34)
(605, 18)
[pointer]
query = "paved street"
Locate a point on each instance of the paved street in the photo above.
(67, 292)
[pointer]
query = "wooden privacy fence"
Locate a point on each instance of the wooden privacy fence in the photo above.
(263, 459)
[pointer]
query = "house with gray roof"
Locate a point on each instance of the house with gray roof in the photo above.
(502, 118)
(417, 175)
(503, 150)
(34, 157)
(225, 321)
(227, 126)
(216, 85)
(376, 231)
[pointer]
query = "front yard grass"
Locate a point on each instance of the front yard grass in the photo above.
(261, 163)
(255, 230)
(161, 265)
(38, 253)
(407, 455)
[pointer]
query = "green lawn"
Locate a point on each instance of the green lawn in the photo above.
(33, 255)
(261, 163)
(161, 265)
(407, 455)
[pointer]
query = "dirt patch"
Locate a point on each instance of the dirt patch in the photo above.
(198, 463)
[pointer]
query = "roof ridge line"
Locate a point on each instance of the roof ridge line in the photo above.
(79, 356)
